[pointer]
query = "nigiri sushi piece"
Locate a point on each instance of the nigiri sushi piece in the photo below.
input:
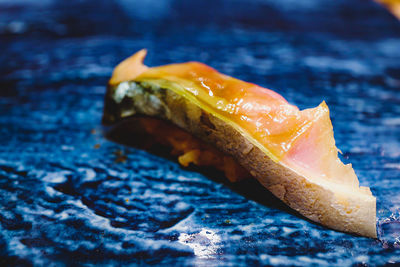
(289, 151)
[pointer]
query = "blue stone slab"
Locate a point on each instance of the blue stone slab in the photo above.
(70, 196)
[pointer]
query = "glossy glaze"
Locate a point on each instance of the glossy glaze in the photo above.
(302, 140)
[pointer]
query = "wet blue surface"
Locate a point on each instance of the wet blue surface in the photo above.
(70, 196)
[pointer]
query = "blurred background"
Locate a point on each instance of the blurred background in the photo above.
(68, 195)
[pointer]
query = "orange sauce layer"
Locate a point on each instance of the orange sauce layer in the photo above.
(302, 140)
(191, 150)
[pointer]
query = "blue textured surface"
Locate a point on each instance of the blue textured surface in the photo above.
(64, 197)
